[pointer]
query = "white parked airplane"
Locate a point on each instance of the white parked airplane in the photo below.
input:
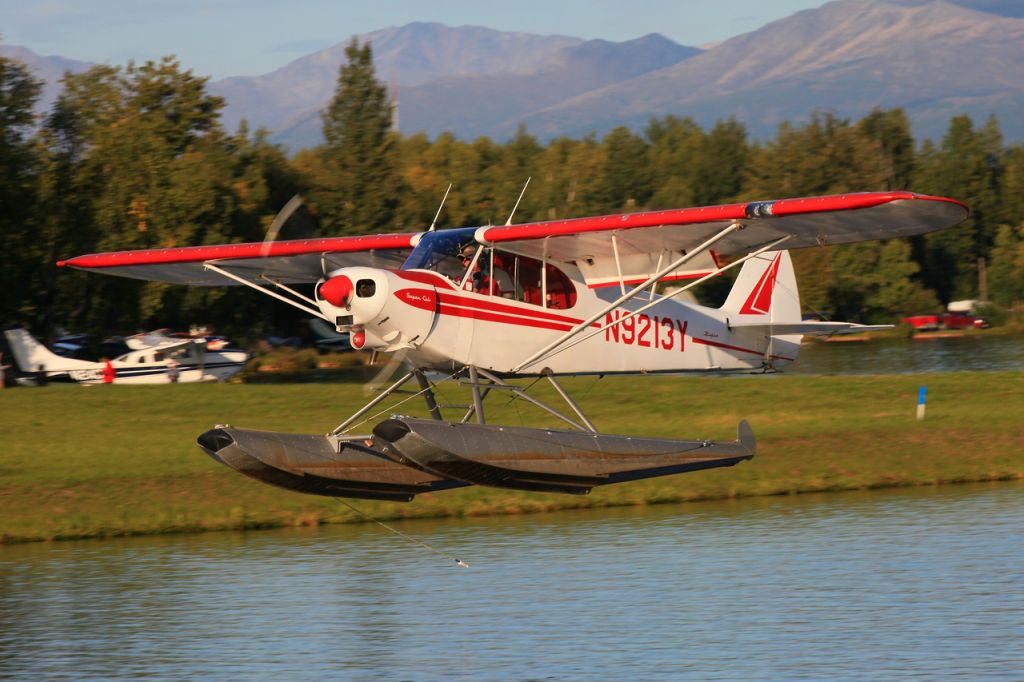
(568, 297)
(148, 362)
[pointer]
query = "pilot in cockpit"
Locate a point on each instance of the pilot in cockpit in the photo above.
(477, 280)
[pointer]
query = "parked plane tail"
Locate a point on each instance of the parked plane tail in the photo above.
(30, 355)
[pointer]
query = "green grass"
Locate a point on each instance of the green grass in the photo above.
(96, 461)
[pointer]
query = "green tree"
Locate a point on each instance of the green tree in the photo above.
(570, 172)
(1013, 184)
(627, 179)
(824, 156)
(358, 190)
(22, 256)
(719, 166)
(967, 165)
(875, 282)
(136, 159)
(888, 135)
(894, 291)
(675, 146)
(1006, 269)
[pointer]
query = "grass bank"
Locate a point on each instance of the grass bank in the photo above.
(99, 461)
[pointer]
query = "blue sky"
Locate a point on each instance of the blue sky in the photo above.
(252, 37)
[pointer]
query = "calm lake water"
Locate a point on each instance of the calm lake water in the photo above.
(973, 352)
(924, 583)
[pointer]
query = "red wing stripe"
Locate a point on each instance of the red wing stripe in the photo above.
(195, 254)
(692, 216)
(742, 350)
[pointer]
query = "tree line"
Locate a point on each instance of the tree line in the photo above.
(135, 156)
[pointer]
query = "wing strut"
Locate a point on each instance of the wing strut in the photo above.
(521, 393)
(618, 264)
(653, 303)
(572, 403)
(268, 292)
(285, 287)
(653, 279)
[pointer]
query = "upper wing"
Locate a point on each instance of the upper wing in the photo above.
(643, 239)
(635, 245)
(300, 260)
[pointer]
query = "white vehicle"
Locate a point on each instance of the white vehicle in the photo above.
(146, 363)
(569, 297)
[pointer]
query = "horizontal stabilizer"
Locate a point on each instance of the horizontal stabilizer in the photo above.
(811, 328)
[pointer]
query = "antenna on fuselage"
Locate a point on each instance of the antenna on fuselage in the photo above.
(509, 221)
(433, 225)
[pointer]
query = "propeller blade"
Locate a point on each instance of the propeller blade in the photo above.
(279, 220)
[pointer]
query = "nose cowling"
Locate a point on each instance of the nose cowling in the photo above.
(379, 309)
(337, 291)
(352, 297)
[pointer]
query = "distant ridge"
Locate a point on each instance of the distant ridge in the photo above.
(479, 104)
(412, 54)
(931, 57)
(934, 58)
(50, 70)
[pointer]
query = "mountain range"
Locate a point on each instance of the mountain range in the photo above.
(934, 58)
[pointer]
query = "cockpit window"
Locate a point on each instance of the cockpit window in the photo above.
(494, 273)
(441, 252)
(531, 281)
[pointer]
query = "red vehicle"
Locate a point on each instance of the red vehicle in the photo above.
(928, 323)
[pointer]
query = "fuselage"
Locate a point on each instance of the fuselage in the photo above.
(154, 366)
(501, 317)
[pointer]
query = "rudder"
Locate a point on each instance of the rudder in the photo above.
(765, 291)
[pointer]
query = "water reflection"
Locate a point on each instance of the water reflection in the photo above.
(969, 353)
(868, 585)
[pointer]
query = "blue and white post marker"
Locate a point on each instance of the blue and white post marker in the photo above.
(920, 402)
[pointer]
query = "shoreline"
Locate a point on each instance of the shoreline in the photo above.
(529, 509)
(78, 464)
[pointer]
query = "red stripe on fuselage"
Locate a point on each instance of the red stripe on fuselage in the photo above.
(487, 316)
(487, 310)
(424, 277)
(499, 307)
(726, 346)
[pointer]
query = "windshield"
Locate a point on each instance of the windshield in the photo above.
(493, 273)
(442, 251)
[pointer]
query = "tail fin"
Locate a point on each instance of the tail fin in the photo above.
(30, 354)
(765, 292)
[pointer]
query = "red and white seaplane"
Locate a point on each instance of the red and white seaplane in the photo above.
(570, 297)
